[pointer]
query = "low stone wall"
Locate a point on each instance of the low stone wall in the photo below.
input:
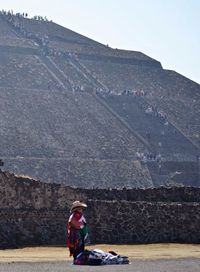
(36, 213)
(25, 227)
(116, 222)
(145, 222)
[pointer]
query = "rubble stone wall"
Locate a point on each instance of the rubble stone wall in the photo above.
(145, 222)
(35, 213)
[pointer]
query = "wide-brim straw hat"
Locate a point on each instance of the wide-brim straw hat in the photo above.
(76, 205)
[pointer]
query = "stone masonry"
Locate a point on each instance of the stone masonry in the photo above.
(35, 213)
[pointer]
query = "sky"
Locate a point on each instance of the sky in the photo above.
(166, 30)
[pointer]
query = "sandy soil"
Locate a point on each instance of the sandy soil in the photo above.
(134, 252)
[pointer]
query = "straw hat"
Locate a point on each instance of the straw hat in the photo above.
(76, 205)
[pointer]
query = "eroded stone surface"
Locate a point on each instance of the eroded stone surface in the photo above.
(35, 213)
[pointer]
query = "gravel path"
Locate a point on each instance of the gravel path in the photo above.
(176, 265)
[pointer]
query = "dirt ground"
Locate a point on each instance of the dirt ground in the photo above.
(134, 252)
(143, 258)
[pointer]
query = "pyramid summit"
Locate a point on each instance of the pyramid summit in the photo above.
(78, 112)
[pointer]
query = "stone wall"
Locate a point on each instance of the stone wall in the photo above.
(145, 222)
(35, 213)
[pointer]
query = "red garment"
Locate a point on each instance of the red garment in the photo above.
(74, 237)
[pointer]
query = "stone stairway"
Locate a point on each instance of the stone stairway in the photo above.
(159, 177)
(87, 74)
(96, 83)
(123, 121)
(178, 129)
(58, 73)
(173, 172)
(163, 139)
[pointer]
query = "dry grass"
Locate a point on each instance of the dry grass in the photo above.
(151, 251)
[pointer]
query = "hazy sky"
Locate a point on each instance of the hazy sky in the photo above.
(167, 30)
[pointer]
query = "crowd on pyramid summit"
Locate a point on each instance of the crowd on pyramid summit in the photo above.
(16, 21)
(22, 15)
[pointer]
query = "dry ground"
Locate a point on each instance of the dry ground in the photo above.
(144, 258)
(134, 252)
